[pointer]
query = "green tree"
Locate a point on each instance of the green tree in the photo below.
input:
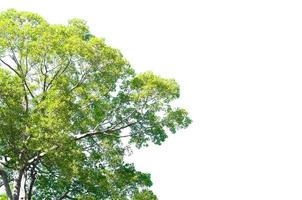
(71, 108)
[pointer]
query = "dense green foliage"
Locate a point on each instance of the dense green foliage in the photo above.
(70, 109)
(3, 197)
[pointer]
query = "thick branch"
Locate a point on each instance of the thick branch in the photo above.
(6, 182)
(40, 155)
(79, 137)
(33, 176)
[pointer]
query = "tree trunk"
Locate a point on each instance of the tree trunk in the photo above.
(18, 182)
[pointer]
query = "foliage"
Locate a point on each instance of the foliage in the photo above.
(68, 103)
(3, 197)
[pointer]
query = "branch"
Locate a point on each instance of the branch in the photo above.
(19, 75)
(44, 74)
(106, 132)
(40, 155)
(64, 195)
(80, 82)
(22, 75)
(26, 99)
(27, 87)
(10, 67)
(6, 182)
(58, 73)
(33, 175)
(69, 197)
(79, 137)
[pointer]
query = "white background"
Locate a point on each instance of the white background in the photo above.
(239, 64)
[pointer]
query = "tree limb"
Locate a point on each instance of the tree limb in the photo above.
(10, 67)
(93, 133)
(79, 137)
(6, 182)
(58, 73)
(33, 176)
(64, 195)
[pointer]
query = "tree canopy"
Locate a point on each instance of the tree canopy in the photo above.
(71, 109)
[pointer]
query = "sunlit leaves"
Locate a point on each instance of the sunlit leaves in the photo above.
(71, 106)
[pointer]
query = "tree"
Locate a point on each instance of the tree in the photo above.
(71, 109)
